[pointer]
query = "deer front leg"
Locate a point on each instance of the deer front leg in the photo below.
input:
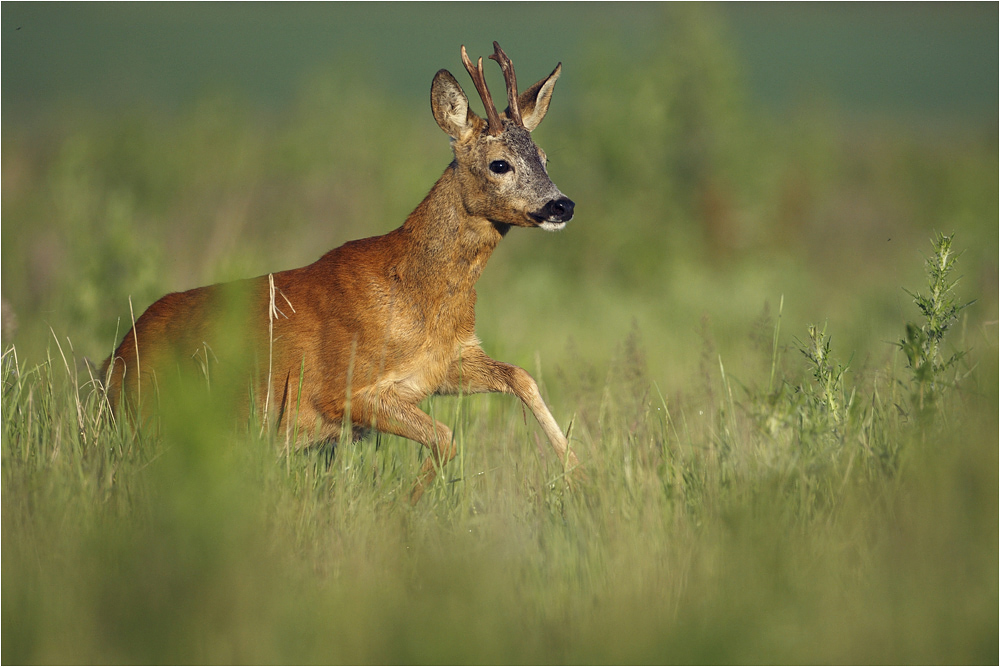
(477, 373)
(388, 414)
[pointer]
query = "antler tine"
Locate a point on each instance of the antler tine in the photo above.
(494, 125)
(508, 74)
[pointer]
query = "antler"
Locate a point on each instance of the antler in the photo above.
(513, 111)
(494, 127)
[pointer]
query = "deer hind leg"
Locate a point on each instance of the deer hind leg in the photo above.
(391, 415)
(477, 373)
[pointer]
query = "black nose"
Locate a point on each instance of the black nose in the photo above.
(559, 210)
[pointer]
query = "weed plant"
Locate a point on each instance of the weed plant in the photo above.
(923, 342)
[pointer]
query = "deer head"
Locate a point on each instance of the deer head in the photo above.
(501, 171)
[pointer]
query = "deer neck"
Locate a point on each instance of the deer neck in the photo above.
(445, 244)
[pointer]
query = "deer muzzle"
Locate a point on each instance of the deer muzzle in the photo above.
(555, 214)
(559, 210)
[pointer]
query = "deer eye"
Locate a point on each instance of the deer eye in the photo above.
(499, 166)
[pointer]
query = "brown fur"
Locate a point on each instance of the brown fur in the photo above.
(379, 324)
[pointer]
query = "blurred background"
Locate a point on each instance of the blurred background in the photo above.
(723, 158)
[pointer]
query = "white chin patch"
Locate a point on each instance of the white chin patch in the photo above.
(552, 226)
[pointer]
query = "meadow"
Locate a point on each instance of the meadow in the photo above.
(772, 336)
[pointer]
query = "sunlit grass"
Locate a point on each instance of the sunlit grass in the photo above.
(766, 525)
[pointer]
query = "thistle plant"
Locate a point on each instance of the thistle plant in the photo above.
(828, 374)
(923, 342)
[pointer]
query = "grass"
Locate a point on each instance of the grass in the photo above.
(788, 525)
(790, 457)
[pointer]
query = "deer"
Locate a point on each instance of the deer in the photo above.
(360, 337)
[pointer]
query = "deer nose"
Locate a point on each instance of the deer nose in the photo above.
(559, 210)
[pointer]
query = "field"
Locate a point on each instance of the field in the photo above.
(771, 329)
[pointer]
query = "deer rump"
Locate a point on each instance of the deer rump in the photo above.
(374, 327)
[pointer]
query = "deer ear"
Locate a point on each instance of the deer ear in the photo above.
(534, 102)
(450, 106)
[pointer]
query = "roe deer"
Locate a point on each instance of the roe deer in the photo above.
(377, 325)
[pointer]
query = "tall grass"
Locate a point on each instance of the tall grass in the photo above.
(790, 524)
